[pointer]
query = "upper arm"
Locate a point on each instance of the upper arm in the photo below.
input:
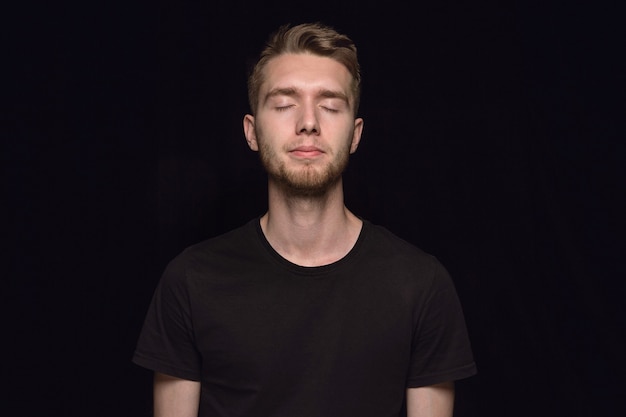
(175, 396)
(430, 401)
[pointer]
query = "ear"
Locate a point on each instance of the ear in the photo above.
(356, 136)
(249, 132)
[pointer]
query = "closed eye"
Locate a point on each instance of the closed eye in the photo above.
(283, 108)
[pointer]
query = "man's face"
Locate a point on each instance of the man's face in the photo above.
(304, 128)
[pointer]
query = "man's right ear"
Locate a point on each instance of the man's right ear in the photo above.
(249, 132)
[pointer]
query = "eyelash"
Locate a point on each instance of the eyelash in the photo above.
(284, 108)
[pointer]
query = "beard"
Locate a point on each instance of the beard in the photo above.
(307, 180)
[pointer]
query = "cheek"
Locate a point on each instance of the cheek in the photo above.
(267, 146)
(275, 125)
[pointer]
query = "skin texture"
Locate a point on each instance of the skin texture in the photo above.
(431, 401)
(304, 129)
(175, 396)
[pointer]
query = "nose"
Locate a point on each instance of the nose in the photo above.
(308, 122)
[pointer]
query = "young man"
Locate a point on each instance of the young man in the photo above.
(308, 310)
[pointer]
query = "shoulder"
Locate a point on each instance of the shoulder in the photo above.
(384, 250)
(380, 239)
(226, 249)
(234, 240)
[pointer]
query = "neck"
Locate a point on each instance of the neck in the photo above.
(310, 231)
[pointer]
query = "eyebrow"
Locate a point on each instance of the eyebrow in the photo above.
(292, 92)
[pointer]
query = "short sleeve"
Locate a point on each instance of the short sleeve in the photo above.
(441, 349)
(166, 342)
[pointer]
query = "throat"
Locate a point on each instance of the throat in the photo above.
(312, 244)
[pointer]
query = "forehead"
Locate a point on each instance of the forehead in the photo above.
(304, 72)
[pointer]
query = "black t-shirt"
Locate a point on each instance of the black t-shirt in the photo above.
(267, 337)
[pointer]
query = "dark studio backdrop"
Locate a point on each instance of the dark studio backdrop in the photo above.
(493, 140)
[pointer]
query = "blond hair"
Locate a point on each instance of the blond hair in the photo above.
(315, 38)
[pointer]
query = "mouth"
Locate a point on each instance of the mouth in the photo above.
(306, 152)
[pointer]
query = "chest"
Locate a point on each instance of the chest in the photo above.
(295, 326)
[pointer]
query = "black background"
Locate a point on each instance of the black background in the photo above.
(493, 139)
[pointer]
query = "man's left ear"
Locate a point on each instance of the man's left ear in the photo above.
(356, 136)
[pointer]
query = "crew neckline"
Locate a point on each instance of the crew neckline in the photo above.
(311, 270)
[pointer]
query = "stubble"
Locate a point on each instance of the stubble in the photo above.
(306, 179)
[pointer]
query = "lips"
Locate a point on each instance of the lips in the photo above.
(306, 151)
